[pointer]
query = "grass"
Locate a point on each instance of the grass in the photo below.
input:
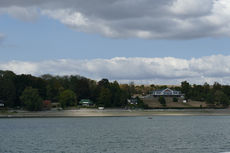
(153, 102)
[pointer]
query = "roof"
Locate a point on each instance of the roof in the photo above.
(162, 92)
(84, 101)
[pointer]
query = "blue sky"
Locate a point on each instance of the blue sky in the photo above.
(165, 41)
(45, 38)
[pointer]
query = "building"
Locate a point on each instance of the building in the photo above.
(167, 92)
(86, 102)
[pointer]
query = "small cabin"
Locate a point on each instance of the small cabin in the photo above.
(86, 102)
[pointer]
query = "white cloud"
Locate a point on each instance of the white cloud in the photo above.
(166, 70)
(68, 17)
(148, 19)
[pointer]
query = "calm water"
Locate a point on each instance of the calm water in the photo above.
(180, 134)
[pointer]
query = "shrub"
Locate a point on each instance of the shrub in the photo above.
(175, 99)
(162, 101)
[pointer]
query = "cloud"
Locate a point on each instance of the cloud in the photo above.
(22, 13)
(166, 70)
(148, 19)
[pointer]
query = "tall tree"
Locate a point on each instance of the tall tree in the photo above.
(31, 99)
(104, 97)
(67, 98)
(186, 89)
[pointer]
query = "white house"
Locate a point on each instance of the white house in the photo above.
(167, 92)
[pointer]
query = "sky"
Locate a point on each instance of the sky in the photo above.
(141, 41)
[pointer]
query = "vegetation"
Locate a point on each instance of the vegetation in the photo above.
(31, 99)
(175, 99)
(67, 98)
(140, 104)
(29, 91)
(16, 91)
(162, 101)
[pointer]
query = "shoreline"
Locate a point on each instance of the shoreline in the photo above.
(114, 113)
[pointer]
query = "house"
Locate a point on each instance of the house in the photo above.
(167, 92)
(86, 102)
(47, 104)
(55, 105)
(2, 103)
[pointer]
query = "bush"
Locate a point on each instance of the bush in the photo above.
(162, 101)
(67, 98)
(175, 99)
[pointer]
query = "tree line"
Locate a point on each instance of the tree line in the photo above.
(215, 95)
(28, 91)
(25, 90)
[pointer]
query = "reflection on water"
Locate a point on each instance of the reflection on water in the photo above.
(167, 134)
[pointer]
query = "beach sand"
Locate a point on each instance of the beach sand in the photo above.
(113, 112)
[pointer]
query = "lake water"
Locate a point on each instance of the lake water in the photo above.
(163, 134)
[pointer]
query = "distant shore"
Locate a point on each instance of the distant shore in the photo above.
(114, 113)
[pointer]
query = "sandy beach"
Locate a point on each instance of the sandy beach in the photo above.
(113, 112)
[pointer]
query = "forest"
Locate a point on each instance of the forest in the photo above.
(27, 91)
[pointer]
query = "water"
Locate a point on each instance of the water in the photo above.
(163, 134)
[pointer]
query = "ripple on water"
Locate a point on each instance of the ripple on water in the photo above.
(166, 134)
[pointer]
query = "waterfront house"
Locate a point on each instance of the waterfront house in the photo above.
(86, 102)
(167, 92)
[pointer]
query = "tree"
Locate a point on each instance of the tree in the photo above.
(185, 88)
(67, 98)
(162, 101)
(7, 92)
(210, 98)
(104, 97)
(141, 104)
(221, 98)
(31, 99)
(217, 86)
(104, 83)
(116, 98)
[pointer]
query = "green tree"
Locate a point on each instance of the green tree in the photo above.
(210, 98)
(7, 92)
(186, 89)
(104, 97)
(67, 98)
(221, 98)
(162, 101)
(141, 104)
(116, 98)
(31, 99)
